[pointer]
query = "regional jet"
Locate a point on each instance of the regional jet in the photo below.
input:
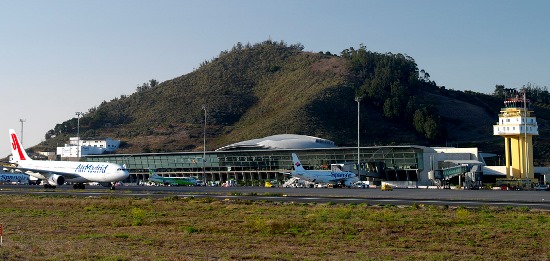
(172, 181)
(14, 178)
(345, 178)
(56, 173)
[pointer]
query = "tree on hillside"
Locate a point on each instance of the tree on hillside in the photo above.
(390, 83)
(147, 85)
(500, 91)
(426, 121)
(537, 93)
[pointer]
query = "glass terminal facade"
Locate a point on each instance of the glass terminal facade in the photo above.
(396, 163)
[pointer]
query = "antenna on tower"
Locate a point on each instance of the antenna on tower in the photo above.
(22, 121)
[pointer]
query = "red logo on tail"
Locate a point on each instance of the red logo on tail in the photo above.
(15, 146)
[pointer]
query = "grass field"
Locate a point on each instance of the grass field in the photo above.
(69, 228)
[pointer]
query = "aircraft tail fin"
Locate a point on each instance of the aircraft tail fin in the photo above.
(153, 174)
(297, 165)
(17, 151)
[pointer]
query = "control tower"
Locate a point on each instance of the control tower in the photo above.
(517, 124)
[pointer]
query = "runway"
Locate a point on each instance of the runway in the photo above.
(467, 198)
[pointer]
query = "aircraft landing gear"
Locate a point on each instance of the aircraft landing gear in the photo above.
(79, 186)
(112, 186)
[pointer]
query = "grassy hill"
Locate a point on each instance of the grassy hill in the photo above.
(268, 88)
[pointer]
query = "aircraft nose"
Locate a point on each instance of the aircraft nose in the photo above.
(124, 174)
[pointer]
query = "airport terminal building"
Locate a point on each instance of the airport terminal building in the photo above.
(254, 161)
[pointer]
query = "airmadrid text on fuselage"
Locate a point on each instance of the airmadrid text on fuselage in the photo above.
(89, 168)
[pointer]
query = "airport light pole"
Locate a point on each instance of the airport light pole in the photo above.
(22, 121)
(358, 100)
(204, 146)
(78, 133)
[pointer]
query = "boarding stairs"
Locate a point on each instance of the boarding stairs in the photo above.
(295, 182)
(291, 182)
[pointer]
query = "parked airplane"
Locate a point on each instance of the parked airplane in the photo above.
(11, 177)
(345, 178)
(58, 172)
(173, 181)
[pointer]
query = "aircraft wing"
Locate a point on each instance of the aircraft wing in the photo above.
(155, 180)
(7, 165)
(343, 180)
(338, 181)
(45, 173)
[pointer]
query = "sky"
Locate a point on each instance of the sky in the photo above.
(62, 57)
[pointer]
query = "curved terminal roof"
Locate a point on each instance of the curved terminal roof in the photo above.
(281, 141)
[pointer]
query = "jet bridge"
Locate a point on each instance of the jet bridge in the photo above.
(470, 170)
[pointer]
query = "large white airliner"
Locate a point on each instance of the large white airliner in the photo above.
(58, 172)
(345, 178)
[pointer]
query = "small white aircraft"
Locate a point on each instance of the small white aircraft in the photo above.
(345, 178)
(58, 172)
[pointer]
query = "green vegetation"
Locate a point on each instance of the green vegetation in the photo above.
(61, 228)
(392, 83)
(257, 90)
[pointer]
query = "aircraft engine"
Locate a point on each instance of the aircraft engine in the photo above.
(349, 182)
(56, 180)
